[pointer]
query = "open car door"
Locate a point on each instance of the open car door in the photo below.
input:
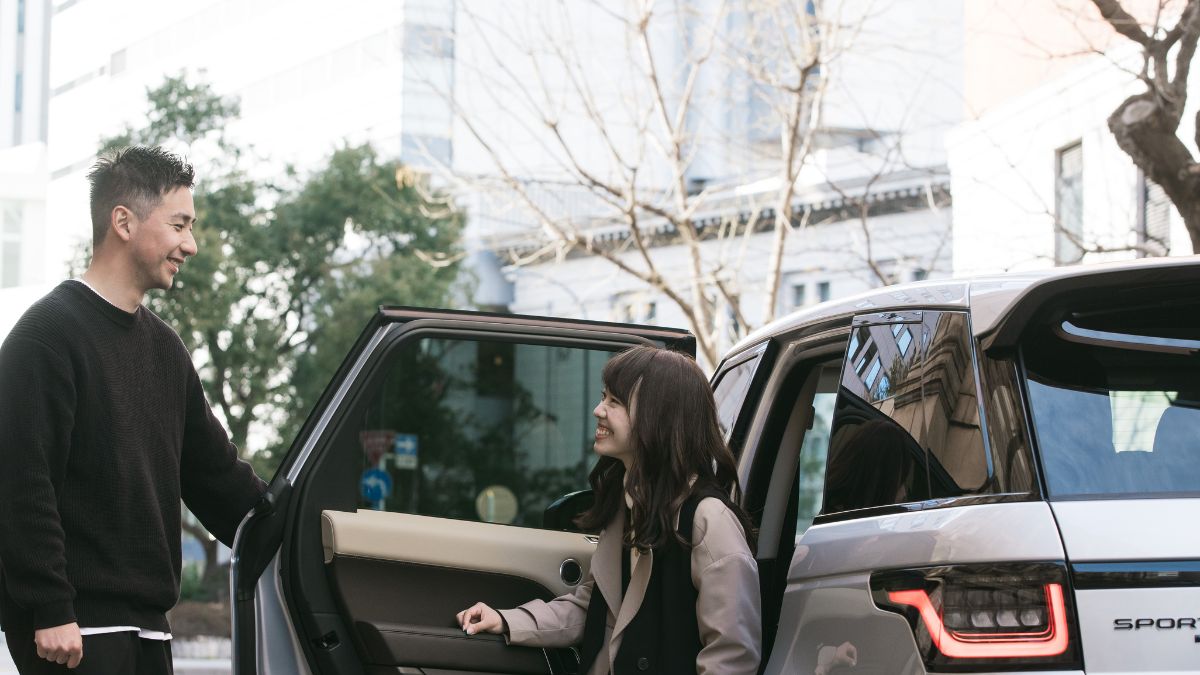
(417, 487)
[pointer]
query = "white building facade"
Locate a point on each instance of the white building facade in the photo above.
(309, 77)
(24, 58)
(1037, 177)
(880, 139)
(823, 260)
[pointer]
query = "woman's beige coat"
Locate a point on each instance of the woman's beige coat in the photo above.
(727, 607)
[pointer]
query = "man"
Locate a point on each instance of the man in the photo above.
(104, 428)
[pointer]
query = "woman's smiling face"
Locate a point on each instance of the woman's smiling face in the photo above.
(614, 428)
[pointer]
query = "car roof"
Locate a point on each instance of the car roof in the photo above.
(993, 300)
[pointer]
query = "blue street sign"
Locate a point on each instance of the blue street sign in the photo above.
(404, 451)
(376, 485)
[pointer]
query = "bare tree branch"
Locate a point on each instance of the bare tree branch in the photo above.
(1122, 21)
(649, 215)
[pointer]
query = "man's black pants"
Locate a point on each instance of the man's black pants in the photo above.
(103, 654)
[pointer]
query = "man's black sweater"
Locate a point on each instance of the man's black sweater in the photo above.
(104, 427)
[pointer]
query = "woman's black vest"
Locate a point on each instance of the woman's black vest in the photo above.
(664, 637)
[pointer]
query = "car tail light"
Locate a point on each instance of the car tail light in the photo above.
(986, 617)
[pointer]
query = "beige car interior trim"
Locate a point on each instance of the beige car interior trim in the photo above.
(485, 547)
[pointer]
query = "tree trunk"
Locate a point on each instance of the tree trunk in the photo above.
(212, 567)
(1191, 218)
(1144, 130)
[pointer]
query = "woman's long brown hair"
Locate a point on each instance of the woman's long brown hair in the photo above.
(675, 436)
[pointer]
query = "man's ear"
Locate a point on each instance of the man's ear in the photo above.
(121, 222)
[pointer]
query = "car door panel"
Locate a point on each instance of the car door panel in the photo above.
(461, 545)
(401, 578)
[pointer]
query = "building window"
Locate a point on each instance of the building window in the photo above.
(872, 373)
(427, 40)
(10, 264)
(1154, 219)
(635, 307)
(822, 291)
(798, 298)
(10, 246)
(116, 63)
(420, 149)
(1068, 205)
(20, 17)
(904, 340)
(868, 354)
(18, 88)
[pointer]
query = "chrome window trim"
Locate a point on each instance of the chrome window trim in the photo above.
(1147, 343)
(335, 404)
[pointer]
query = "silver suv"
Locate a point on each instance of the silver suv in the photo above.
(993, 475)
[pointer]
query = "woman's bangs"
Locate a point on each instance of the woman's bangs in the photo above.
(622, 372)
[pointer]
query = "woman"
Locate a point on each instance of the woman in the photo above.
(673, 586)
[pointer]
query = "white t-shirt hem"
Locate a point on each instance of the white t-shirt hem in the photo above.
(142, 632)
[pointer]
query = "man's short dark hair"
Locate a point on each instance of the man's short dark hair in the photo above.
(137, 177)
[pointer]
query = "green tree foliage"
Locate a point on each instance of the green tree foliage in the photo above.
(286, 276)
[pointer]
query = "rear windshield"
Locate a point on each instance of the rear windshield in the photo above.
(1116, 413)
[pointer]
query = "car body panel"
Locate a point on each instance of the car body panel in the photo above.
(828, 597)
(826, 612)
(1122, 535)
(277, 649)
(962, 534)
(1162, 647)
(1130, 529)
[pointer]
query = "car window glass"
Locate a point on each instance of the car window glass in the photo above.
(1111, 420)
(1006, 427)
(815, 450)
(906, 422)
(958, 461)
(731, 390)
(1135, 416)
(479, 430)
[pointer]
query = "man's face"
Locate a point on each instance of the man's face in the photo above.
(162, 241)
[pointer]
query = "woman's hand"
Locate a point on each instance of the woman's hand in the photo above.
(479, 618)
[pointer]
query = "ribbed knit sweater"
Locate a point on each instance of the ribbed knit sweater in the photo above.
(104, 428)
